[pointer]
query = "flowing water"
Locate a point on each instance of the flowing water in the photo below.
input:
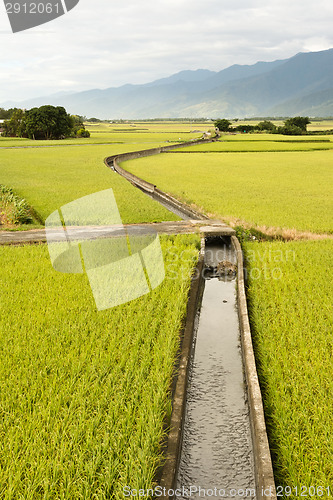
(217, 458)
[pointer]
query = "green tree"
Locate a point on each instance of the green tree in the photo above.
(298, 121)
(48, 122)
(223, 125)
(245, 129)
(6, 114)
(76, 124)
(15, 126)
(266, 125)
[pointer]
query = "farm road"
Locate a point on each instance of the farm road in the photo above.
(94, 232)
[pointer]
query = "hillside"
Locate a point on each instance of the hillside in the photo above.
(302, 84)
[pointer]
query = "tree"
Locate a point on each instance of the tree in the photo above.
(298, 121)
(76, 124)
(245, 129)
(266, 125)
(6, 114)
(48, 122)
(15, 126)
(223, 125)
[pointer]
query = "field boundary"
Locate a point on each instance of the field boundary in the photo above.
(264, 476)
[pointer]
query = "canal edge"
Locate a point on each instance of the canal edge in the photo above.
(262, 457)
(174, 441)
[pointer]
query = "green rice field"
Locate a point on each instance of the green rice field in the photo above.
(277, 189)
(84, 394)
(49, 179)
(290, 289)
(289, 283)
(144, 135)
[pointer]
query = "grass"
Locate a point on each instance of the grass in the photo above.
(289, 189)
(290, 291)
(84, 394)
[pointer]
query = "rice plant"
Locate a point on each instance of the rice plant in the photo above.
(84, 395)
(290, 301)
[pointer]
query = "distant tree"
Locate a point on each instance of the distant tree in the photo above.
(266, 126)
(76, 122)
(223, 125)
(15, 126)
(245, 128)
(298, 121)
(6, 114)
(46, 122)
(290, 130)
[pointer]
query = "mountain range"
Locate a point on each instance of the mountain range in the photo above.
(300, 85)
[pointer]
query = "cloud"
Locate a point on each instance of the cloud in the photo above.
(103, 44)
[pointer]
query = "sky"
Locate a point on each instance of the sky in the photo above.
(108, 43)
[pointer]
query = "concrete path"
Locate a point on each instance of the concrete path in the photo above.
(93, 232)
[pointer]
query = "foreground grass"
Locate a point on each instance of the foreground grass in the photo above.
(84, 394)
(284, 190)
(290, 292)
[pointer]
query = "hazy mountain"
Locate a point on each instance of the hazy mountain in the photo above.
(314, 104)
(302, 84)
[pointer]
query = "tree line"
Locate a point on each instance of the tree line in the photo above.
(46, 122)
(292, 126)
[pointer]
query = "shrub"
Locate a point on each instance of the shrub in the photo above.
(83, 133)
(15, 210)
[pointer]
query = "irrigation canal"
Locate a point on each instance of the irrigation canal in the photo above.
(217, 439)
(217, 448)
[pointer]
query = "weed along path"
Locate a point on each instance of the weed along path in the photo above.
(217, 444)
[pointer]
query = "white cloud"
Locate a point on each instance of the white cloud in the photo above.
(103, 43)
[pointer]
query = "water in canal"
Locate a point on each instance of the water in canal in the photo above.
(217, 447)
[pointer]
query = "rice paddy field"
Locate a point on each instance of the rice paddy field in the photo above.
(290, 290)
(84, 395)
(49, 174)
(144, 135)
(286, 189)
(275, 183)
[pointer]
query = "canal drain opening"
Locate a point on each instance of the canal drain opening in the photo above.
(220, 259)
